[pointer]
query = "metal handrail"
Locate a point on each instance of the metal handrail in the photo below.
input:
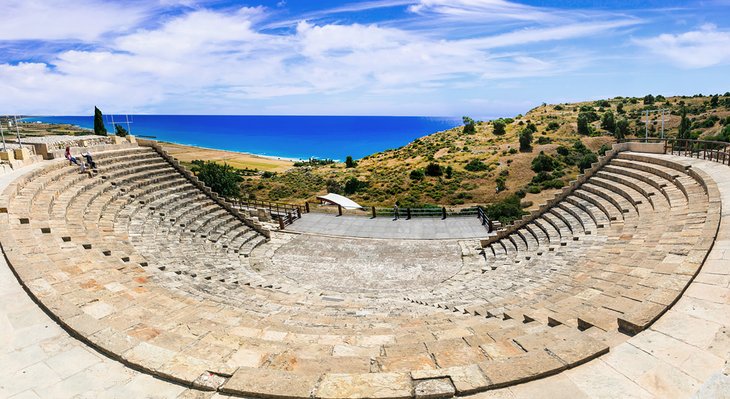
(718, 151)
(485, 219)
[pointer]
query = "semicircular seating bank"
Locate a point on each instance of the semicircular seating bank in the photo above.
(143, 265)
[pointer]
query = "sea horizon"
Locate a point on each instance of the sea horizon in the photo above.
(279, 136)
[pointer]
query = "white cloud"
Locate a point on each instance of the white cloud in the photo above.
(483, 10)
(85, 20)
(694, 49)
(222, 61)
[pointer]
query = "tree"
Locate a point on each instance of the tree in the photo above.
(433, 169)
(584, 127)
(349, 163)
(506, 210)
(469, 125)
(543, 163)
(475, 165)
(649, 99)
(449, 172)
(586, 161)
(354, 185)
(500, 127)
(120, 130)
(99, 128)
(222, 179)
(608, 122)
(526, 140)
(684, 126)
(622, 129)
(620, 108)
(714, 101)
(416, 174)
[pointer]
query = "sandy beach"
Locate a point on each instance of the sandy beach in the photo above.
(240, 160)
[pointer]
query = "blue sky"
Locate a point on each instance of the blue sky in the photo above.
(482, 58)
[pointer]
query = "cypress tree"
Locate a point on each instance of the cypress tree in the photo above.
(684, 125)
(99, 128)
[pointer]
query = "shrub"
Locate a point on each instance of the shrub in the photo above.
(222, 179)
(526, 139)
(563, 150)
(534, 189)
(354, 185)
(449, 171)
(333, 186)
(416, 174)
(555, 183)
(512, 151)
(433, 169)
(544, 140)
(553, 126)
(475, 165)
(584, 127)
(543, 163)
(622, 129)
(505, 211)
(559, 107)
(500, 127)
(608, 122)
(469, 125)
(586, 161)
(120, 131)
(501, 183)
(349, 163)
(648, 99)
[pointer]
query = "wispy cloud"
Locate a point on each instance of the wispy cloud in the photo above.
(701, 48)
(83, 20)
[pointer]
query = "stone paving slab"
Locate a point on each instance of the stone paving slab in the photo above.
(461, 227)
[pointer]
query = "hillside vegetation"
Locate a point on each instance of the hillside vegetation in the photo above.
(481, 162)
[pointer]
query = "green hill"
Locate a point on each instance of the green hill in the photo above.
(459, 167)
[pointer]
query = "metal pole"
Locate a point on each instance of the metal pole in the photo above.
(2, 135)
(17, 132)
(663, 123)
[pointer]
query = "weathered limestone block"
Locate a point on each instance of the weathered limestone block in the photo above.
(372, 385)
(22, 154)
(270, 383)
(7, 155)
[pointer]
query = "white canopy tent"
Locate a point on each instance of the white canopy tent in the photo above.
(340, 200)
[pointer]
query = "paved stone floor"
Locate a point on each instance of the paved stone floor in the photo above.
(363, 265)
(385, 227)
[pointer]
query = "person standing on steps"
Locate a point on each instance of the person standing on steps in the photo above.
(396, 214)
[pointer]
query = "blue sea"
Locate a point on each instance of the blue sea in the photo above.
(299, 137)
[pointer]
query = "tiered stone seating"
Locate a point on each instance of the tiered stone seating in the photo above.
(141, 264)
(630, 240)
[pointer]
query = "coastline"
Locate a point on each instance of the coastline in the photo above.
(240, 160)
(251, 154)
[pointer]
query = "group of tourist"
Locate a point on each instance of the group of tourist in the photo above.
(80, 162)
